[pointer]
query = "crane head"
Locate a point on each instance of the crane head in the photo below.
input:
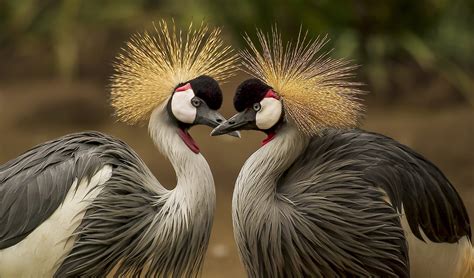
(186, 63)
(298, 79)
(167, 59)
(196, 103)
(259, 107)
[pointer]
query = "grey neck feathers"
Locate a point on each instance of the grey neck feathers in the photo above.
(187, 211)
(255, 194)
(195, 184)
(261, 171)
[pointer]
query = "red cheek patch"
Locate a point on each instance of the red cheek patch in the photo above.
(186, 87)
(272, 94)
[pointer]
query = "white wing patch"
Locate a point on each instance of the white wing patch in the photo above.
(41, 252)
(182, 108)
(269, 114)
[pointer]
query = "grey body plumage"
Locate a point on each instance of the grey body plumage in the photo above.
(123, 226)
(330, 206)
(316, 216)
(120, 226)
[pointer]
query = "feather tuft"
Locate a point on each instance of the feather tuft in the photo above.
(153, 64)
(316, 88)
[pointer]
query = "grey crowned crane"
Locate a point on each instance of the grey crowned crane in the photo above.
(322, 198)
(85, 203)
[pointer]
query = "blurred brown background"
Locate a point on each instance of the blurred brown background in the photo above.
(415, 56)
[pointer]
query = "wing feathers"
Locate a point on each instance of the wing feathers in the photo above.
(430, 201)
(34, 185)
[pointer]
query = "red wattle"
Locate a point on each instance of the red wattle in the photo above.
(269, 138)
(188, 140)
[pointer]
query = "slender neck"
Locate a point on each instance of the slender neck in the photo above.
(261, 171)
(195, 184)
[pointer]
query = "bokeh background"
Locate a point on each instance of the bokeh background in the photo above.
(416, 58)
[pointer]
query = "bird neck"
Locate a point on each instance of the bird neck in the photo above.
(261, 172)
(195, 184)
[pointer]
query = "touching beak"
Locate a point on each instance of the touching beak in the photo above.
(212, 118)
(240, 121)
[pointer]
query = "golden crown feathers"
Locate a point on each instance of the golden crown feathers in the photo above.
(153, 64)
(316, 89)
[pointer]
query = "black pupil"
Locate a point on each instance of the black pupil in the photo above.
(196, 102)
(256, 106)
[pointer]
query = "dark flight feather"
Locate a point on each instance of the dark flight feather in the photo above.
(430, 201)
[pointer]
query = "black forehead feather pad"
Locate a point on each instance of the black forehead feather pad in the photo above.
(249, 92)
(207, 89)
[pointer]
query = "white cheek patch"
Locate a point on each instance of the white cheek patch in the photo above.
(269, 113)
(182, 108)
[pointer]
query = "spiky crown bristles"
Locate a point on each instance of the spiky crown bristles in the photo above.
(316, 89)
(152, 65)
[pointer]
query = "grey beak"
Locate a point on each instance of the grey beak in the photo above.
(212, 118)
(240, 121)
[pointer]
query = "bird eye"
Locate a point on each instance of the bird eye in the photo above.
(257, 107)
(195, 102)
